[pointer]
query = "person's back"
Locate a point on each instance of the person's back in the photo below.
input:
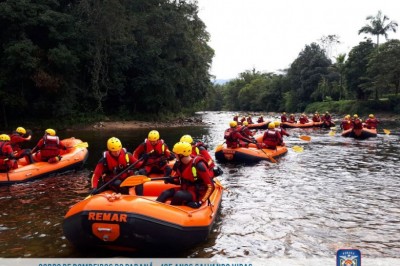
(48, 148)
(371, 122)
(357, 122)
(272, 138)
(17, 138)
(284, 117)
(7, 159)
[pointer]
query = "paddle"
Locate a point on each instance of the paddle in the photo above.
(269, 156)
(386, 131)
(136, 180)
(332, 133)
(305, 138)
(297, 148)
(79, 145)
(97, 190)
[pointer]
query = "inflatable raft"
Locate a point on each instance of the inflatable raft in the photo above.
(130, 222)
(247, 155)
(263, 125)
(72, 158)
(363, 133)
(298, 125)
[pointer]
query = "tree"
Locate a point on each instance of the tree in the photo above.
(378, 27)
(305, 74)
(384, 67)
(356, 67)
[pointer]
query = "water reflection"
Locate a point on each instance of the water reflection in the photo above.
(337, 193)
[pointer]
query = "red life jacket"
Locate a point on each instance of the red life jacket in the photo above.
(154, 151)
(357, 124)
(271, 138)
(50, 146)
(189, 172)
(4, 155)
(115, 165)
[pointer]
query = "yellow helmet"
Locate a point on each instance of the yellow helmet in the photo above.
(347, 116)
(271, 125)
(186, 138)
(114, 144)
(233, 124)
(284, 113)
(371, 116)
(182, 148)
(50, 131)
(245, 123)
(355, 115)
(21, 130)
(4, 137)
(277, 123)
(153, 135)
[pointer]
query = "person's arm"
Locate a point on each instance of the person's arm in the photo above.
(98, 172)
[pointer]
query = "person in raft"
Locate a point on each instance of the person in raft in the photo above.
(346, 123)
(303, 119)
(284, 117)
(260, 119)
(114, 161)
(48, 148)
(155, 154)
(316, 117)
(272, 138)
(357, 122)
(292, 119)
(19, 136)
(371, 122)
(199, 148)
(281, 130)
(7, 158)
(194, 177)
(234, 138)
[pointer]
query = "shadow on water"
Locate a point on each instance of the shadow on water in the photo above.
(337, 193)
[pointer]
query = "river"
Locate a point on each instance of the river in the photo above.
(338, 193)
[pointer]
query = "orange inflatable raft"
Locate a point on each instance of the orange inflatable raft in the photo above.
(363, 133)
(130, 222)
(72, 158)
(247, 155)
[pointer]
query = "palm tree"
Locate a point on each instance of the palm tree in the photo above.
(377, 26)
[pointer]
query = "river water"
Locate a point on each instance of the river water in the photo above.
(338, 193)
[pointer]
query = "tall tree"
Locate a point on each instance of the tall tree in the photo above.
(378, 26)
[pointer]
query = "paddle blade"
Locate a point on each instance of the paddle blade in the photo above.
(135, 180)
(305, 138)
(82, 145)
(387, 131)
(297, 148)
(331, 133)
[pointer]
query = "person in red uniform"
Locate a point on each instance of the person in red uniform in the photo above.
(292, 119)
(19, 136)
(7, 158)
(113, 162)
(260, 119)
(199, 148)
(357, 122)
(346, 123)
(234, 138)
(316, 117)
(246, 132)
(303, 119)
(194, 177)
(48, 148)
(155, 154)
(371, 122)
(249, 120)
(236, 117)
(284, 117)
(327, 119)
(271, 137)
(242, 120)
(281, 131)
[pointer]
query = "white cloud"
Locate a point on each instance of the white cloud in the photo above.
(269, 35)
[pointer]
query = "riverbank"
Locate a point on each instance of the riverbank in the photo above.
(135, 124)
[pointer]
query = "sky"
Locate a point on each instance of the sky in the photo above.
(268, 35)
